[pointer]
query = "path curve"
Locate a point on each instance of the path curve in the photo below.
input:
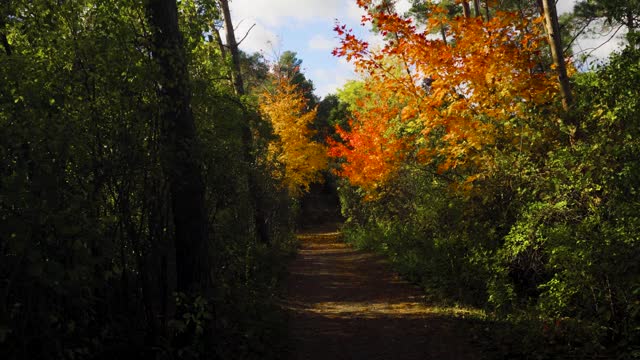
(347, 304)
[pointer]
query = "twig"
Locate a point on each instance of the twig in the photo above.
(601, 45)
(577, 34)
(245, 35)
(238, 25)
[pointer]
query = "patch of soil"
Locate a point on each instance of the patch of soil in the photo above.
(348, 304)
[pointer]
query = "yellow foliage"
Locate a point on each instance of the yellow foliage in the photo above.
(298, 160)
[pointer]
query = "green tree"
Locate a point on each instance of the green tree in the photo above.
(290, 66)
(616, 12)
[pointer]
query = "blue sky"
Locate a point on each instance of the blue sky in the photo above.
(306, 27)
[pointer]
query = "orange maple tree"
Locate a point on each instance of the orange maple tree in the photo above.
(456, 98)
(375, 145)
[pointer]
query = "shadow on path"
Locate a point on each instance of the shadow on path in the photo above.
(347, 304)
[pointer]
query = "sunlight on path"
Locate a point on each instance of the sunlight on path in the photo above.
(364, 309)
(347, 304)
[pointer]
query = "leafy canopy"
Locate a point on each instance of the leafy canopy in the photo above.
(452, 100)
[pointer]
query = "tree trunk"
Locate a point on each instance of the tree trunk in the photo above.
(486, 10)
(476, 8)
(247, 138)
(466, 9)
(238, 84)
(631, 35)
(216, 35)
(555, 43)
(181, 156)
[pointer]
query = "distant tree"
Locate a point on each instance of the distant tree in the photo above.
(290, 66)
(616, 12)
(331, 113)
(255, 71)
(297, 159)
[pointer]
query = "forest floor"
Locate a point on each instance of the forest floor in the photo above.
(348, 304)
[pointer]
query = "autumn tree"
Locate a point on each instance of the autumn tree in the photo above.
(372, 146)
(296, 158)
(456, 98)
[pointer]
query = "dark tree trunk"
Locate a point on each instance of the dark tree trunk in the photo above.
(466, 9)
(247, 139)
(476, 8)
(181, 156)
(631, 27)
(218, 38)
(486, 10)
(238, 84)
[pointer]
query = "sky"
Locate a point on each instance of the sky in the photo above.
(306, 27)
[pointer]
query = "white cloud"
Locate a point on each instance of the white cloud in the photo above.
(564, 6)
(402, 6)
(601, 41)
(354, 12)
(321, 42)
(279, 12)
(328, 80)
(375, 41)
(259, 38)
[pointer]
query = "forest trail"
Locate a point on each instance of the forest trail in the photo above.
(348, 304)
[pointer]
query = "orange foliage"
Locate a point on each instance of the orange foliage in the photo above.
(460, 97)
(371, 149)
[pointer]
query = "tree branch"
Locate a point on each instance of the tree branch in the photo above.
(576, 36)
(245, 35)
(609, 39)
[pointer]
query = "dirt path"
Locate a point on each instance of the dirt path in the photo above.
(347, 304)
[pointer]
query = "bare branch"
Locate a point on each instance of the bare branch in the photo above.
(577, 35)
(238, 25)
(601, 45)
(609, 39)
(245, 35)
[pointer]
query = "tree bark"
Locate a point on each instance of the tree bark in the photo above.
(476, 8)
(216, 35)
(260, 219)
(632, 36)
(555, 43)
(181, 155)
(466, 9)
(486, 10)
(232, 44)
